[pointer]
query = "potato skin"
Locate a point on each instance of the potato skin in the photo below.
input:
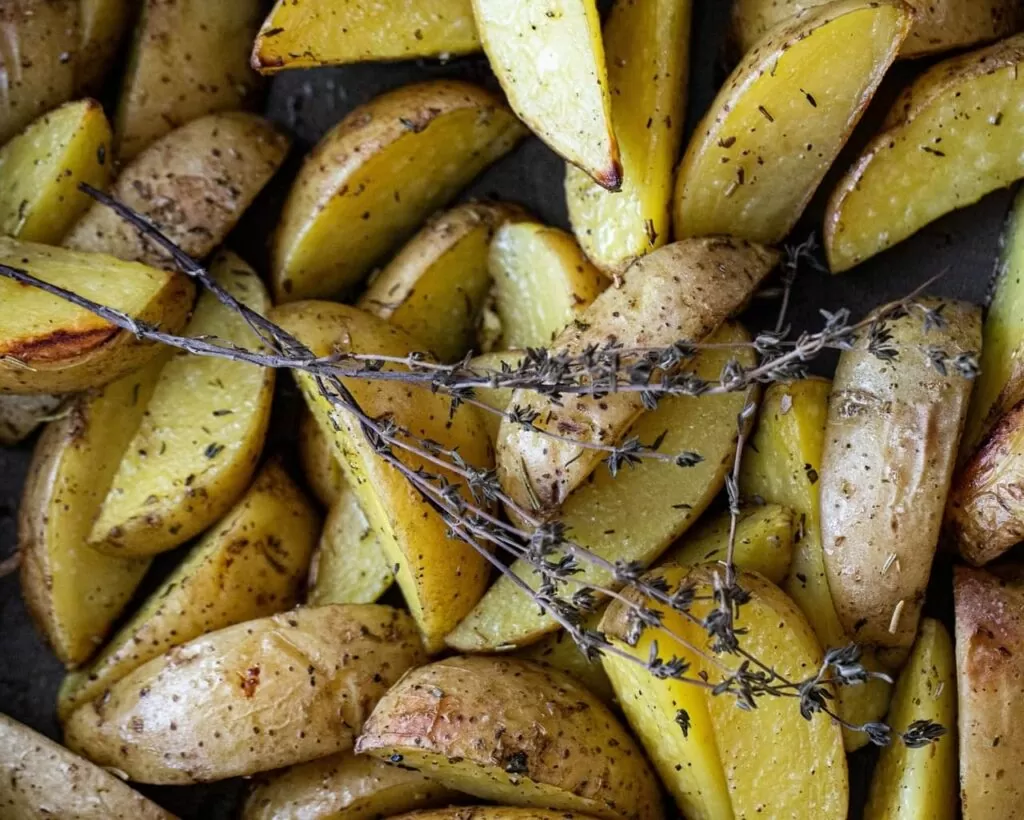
(21, 415)
(256, 696)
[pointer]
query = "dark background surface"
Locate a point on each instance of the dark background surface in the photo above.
(963, 246)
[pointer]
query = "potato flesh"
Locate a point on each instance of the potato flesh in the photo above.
(41, 169)
(492, 813)
(319, 465)
(497, 398)
(951, 138)
(558, 651)
(647, 55)
(780, 120)
(306, 33)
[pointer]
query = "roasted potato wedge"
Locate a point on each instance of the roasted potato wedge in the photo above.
(441, 578)
(513, 732)
(437, 285)
(890, 446)
(558, 651)
(765, 144)
(497, 398)
(39, 779)
(648, 67)
(49, 345)
(990, 673)
(633, 516)
(21, 415)
(682, 291)
(948, 140)
(492, 813)
(307, 33)
(319, 464)
(373, 178)
(102, 25)
(201, 436)
(41, 168)
(253, 697)
(920, 784)
(550, 61)
(252, 564)
(190, 58)
(542, 281)
(343, 787)
(718, 766)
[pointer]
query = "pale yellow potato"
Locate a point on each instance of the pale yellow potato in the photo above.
(307, 33)
(21, 415)
(319, 464)
(252, 564)
(253, 697)
(48, 345)
(648, 66)
(559, 651)
(542, 281)
(40, 779)
(682, 291)
(516, 733)
(373, 178)
(201, 437)
(952, 137)
(189, 58)
(492, 813)
(496, 398)
(41, 169)
(437, 285)
(102, 25)
(781, 119)
(920, 784)
(440, 577)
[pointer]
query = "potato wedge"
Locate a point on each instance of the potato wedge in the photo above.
(948, 140)
(307, 33)
(558, 651)
(890, 445)
(319, 464)
(648, 67)
(497, 398)
(252, 564)
(21, 415)
(542, 281)
(41, 168)
(40, 779)
(48, 345)
(680, 292)
(765, 144)
(492, 813)
(194, 184)
(253, 697)
(189, 59)
(920, 784)
(374, 178)
(513, 732)
(343, 787)
(990, 672)
(441, 578)
(634, 516)
(437, 285)
(197, 447)
(102, 25)
(782, 465)
(719, 768)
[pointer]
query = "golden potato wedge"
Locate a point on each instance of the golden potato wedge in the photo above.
(890, 445)
(441, 578)
(558, 651)
(497, 398)
(343, 787)
(920, 784)
(373, 178)
(48, 345)
(648, 66)
(21, 415)
(680, 292)
(719, 767)
(102, 25)
(948, 140)
(307, 33)
(194, 184)
(319, 464)
(40, 779)
(252, 564)
(189, 58)
(549, 59)
(513, 732)
(782, 465)
(201, 436)
(492, 813)
(252, 697)
(437, 285)
(41, 168)
(766, 143)
(990, 676)
(634, 516)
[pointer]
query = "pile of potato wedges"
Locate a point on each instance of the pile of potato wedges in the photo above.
(241, 583)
